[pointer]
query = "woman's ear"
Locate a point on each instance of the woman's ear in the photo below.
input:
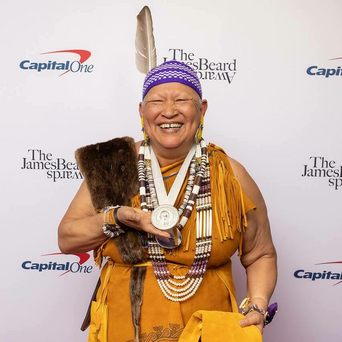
(204, 107)
(141, 109)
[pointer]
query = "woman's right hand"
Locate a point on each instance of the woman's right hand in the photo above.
(139, 220)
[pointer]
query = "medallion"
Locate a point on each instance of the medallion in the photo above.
(170, 243)
(165, 217)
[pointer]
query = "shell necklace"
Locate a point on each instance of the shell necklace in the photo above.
(178, 288)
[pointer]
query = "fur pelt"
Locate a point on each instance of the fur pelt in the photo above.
(136, 288)
(111, 174)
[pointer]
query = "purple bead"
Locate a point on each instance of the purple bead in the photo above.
(271, 311)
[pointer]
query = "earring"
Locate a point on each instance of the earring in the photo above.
(144, 131)
(199, 132)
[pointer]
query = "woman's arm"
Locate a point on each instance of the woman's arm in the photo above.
(258, 253)
(81, 227)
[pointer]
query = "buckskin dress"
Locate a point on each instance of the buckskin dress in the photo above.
(162, 319)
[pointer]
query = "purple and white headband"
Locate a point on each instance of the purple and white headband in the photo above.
(172, 71)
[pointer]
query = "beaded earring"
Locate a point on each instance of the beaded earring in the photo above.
(199, 131)
(144, 131)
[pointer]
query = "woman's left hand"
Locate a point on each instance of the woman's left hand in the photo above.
(253, 318)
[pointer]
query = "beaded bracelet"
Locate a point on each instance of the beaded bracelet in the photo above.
(112, 227)
(268, 315)
(254, 307)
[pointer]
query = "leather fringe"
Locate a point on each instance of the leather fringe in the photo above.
(228, 204)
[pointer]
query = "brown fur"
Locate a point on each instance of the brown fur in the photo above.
(110, 169)
(111, 174)
(136, 288)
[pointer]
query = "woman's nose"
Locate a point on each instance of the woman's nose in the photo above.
(170, 109)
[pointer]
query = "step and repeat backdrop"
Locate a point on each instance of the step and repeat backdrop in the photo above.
(271, 71)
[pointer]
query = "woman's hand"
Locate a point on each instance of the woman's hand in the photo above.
(140, 220)
(81, 227)
(253, 318)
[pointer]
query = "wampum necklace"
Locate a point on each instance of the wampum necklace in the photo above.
(166, 217)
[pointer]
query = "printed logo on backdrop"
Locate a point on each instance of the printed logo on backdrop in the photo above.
(59, 62)
(320, 167)
(54, 168)
(205, 68)
(326, 71)
(55, 265)
(321, 275)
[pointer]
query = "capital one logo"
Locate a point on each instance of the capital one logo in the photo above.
(70, 266)
(76, 65)
(326, 275)
(326, 72)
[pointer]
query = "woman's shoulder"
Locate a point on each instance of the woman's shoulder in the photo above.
(218, 153)
(238, 170)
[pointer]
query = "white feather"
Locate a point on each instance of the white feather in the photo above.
(145, 56)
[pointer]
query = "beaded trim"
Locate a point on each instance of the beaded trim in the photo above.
(172, 71)
(180, 288)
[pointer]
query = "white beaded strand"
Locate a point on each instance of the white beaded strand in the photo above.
(186, 285)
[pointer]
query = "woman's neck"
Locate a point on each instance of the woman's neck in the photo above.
(167, 161)
(166, 156)
(169, 156)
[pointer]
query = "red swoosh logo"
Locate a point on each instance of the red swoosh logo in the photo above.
(332, 262)
(84, 55)
(333, 59)
(83, 258)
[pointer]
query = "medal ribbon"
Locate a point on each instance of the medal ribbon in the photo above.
(163, 198)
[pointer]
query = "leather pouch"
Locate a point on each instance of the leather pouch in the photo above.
(218, 326)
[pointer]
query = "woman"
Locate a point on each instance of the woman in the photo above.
(151, 291)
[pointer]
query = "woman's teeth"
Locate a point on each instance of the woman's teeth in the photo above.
(169, 126)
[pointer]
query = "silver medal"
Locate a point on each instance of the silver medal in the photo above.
(165, 217)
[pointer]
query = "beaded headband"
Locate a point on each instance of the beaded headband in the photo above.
(172, 71)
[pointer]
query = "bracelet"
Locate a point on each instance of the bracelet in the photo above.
(268, 315)
(122, 225)
(254, 307)
(112, 228)
(108, 216)
(112, 231)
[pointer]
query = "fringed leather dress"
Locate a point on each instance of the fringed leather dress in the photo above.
(160, 318)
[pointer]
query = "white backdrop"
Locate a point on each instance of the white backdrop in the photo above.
(272, 116)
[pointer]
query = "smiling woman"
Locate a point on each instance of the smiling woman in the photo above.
(168, 213)
(172, 113)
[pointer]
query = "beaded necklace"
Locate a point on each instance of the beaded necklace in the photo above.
(180, 288)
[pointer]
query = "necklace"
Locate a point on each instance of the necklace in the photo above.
(180, 288)
(165, 216)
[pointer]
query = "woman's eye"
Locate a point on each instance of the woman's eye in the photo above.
(156, 102)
